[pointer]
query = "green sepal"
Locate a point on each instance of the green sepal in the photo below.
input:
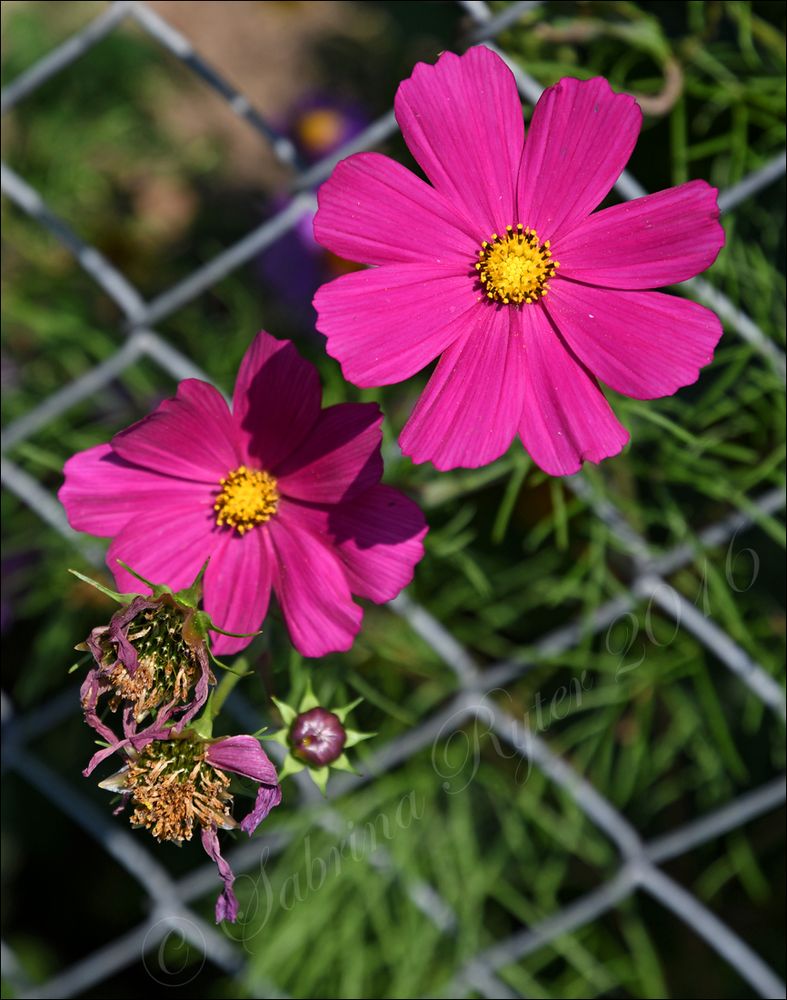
(342, 763)
(308, 701)
(290, 766)
(203, 726)
(320, 777)
(120, 598)
(191, 596)
(353, 737)
(342, 713)
(157, 589)
(287, 712)
(280, 737)
(203, 625)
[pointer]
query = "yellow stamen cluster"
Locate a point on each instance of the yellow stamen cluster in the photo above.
(515, 267)
(248, 497)
(167, 666)
(173, 788)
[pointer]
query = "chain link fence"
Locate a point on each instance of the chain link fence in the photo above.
(640, 863)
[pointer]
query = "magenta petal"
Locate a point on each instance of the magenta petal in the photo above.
(102, 492)
(312, 589)
(566, 419)
(469, 412)
(268, 797)
(658, 240)
(227, 904)
(339, 459)
(276, 400)
(642, 344)
(579, 141)
(386, 324)
(379, 538)
(191, 436)
(462, 120)
(238, 587)
(242, 755)
(165, 544)
(374, 210)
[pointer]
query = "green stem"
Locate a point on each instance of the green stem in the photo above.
(204, 724)
(228, 681)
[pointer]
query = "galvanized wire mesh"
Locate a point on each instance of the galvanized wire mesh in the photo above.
(639, 862)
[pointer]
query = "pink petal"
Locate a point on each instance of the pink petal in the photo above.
(227, 903)
(386, 324)
(339, 459)
(166, 544)
(102, 492)
(566, 418)
(238, 586)
(658, 240)
(242, 755)
(379, 538)
(312, 589)
(469, 412)
(268, 797)
(462, 120)
(579, 141)
(374, 210)
(642, 344)
(191, 436)
(276, 400)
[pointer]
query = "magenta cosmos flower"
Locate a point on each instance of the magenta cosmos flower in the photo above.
(278, 493)
(500, 269)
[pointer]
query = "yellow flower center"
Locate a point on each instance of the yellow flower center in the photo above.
(248, 497)
(173, 788)
(320, 129)
(515, 267)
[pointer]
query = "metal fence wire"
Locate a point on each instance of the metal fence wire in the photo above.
(640, 862)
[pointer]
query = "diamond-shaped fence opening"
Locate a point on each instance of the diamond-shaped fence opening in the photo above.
(640, 864)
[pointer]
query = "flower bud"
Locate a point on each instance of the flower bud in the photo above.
(317, 737)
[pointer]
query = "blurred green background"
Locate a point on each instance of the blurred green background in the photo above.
(150, 167)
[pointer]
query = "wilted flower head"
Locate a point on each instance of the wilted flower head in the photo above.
(150, 660)
(178, 786)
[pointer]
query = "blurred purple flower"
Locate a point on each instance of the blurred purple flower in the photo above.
(295, 266)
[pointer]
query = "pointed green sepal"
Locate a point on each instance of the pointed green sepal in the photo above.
(192, 595)
(120, 598)
(280, 737)
(290, 766)
(203, 623)
(157, 589)
(342, 713)
(342, 763)
(308, 701)
(287, 713)
(320, 777)
(203, 726)
(354, 737)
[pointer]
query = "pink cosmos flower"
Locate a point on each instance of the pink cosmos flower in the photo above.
(278, 493)
(500, 269)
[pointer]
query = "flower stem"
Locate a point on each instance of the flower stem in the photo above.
(204, 724)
